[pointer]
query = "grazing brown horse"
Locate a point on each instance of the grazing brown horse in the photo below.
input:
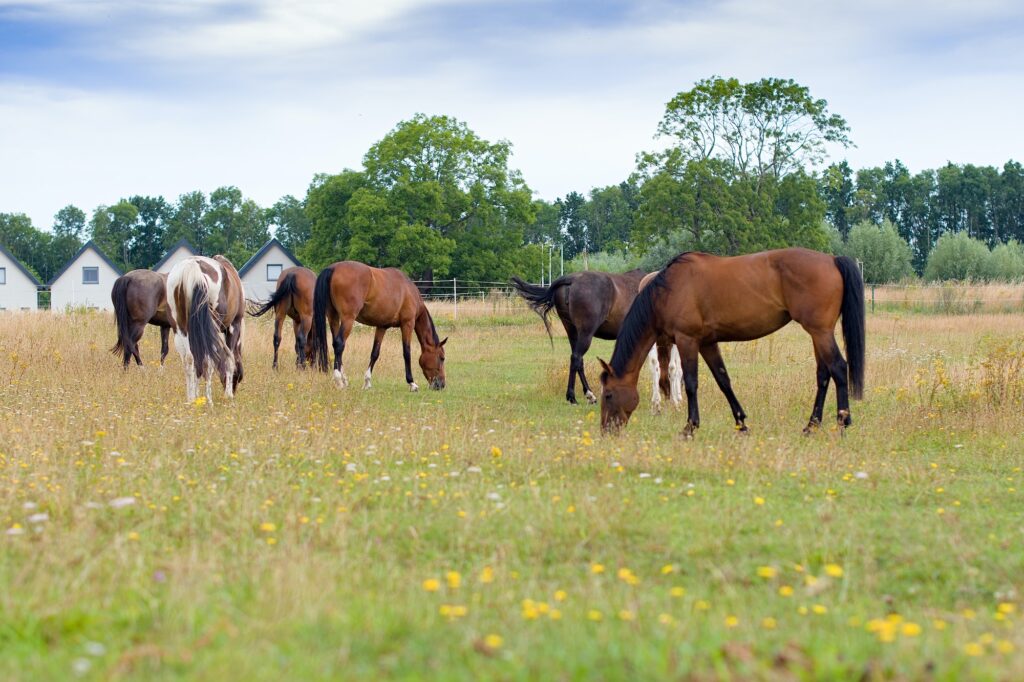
(207, 305)
(699, 300)
(140, 298)
(589, 304)
(293, 298)
(347, 292)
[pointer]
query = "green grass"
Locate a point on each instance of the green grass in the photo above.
(289, 534)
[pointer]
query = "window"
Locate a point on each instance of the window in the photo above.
(90, 275)
(273, 271)
(3, 275)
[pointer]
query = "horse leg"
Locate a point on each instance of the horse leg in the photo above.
(655, 369)
(688, 351)
(137, 332)
(378, 338)
(664, 351)
(278, 323)
(300, 344)
(305, 325)
(231, 338)
(570, 389)
(407, 355)
(675, 377)
(713, 357)
(831, 361)
(164, 333)
(582, 346)
(340, 330)
(188, 362)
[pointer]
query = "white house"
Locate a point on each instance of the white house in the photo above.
(175, 255)
(85, 281)
(18, 286)
(259, 274)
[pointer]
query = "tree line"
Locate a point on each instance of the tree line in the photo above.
(737, 172)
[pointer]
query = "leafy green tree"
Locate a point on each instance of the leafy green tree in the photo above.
(150, 227)
(290, 222)
(609, 215)
(69, 222)
(546, 227)
(113, 231)
(957, 256)
(885, 255)
(327, 210)
(25, 242)
(572, 220)
(837, 190)
(1006, 262)
(186, 222)
(237, 227)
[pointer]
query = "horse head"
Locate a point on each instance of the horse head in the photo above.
(619, 398)
(432, 364)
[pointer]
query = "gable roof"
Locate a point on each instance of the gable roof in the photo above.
(181, 242)
(88, 245)
(21, 267)
(259, 254)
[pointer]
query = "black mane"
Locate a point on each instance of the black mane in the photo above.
(639, 317)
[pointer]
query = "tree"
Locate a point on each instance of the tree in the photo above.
(186, 222)
(1006, 262)
(150, 227)
(25, 242)
(236, 226)
(69, 222)
(327, 209)
(546, 227)
(609, 215)
(957, 256)
(885, 255)
(837, 189)
(113, 231)
(290, 222)
(769, 127)
(572, 223)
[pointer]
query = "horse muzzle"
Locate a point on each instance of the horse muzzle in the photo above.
(437, 384)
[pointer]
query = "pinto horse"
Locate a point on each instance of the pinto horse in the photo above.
(590, 304)
(293, 298)
(699, 300)
(207, 305)
(347, 292)
(140, 298)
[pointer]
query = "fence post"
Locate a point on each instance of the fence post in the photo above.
(455, 296)
(872, 298)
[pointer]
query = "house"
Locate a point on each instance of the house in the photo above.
(259, 274)
(175, 255)
(18, 287)
(85, 281)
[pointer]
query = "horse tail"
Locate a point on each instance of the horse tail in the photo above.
(321, 300)
(203, 328)
(540, 298)
(284, 290)
(852, 311)
(119, 297)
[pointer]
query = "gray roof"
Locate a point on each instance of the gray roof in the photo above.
(259, 254)
(181, 242)
(21, 267)
(88, 245)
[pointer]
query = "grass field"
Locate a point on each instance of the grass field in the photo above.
(490, 531)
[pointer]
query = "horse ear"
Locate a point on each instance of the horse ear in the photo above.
(443, 342)
(608, 371)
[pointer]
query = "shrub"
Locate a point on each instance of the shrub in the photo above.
(957, 256)
(1006, 262)
(885, 254)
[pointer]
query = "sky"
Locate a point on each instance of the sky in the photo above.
(104, 99)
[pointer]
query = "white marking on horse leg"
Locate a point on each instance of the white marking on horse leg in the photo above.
(655, 369)
(340, 380)
(229, 376)
(591, 398)
(209, 384)
(413, 387)
(366, 378)
(675, 377)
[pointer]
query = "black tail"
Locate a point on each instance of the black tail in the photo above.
(853, 322)
(204, 337)
(541, 299)
(321, 299)
(284, 290)
(119, 296)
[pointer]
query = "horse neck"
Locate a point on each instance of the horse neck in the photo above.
(635, 362)
(424, 329)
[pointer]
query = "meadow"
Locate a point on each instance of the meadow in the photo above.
(489, 531)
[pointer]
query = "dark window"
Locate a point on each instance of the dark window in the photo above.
(273, 271)
(3, 275)
(90, 275)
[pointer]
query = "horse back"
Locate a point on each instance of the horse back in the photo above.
(231, 298)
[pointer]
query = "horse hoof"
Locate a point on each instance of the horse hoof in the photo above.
(655, 408)
(591, 398)
(571, 399)
(340, 380)
(413, 387)
(742, 430)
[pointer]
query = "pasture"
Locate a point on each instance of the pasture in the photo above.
(490, 531)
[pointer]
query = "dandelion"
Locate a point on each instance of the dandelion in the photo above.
(1004, 646)
(765, 572)
(595, 615)
(786, 591)
(627, 576)
(454, 579)
(768, 623)
(759, 501)
(974, 649)
(560, 595)
(495, 451)
(731, 621)
(486, 575)
(665, 619)
(530, 610)
(431, 584)
(678, 592)
(268, 527)
(133, 535)
(597, 568)
(939, 624)
(627, 615)
(1006, 608)
(910, 629)
(834, 570)
(668, 568)
(701, 605)
(819, 609)
(493, 641)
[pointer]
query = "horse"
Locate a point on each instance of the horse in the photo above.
(698, 301)
(293, 298)
(140, 298)
(664, 355)
(208, 309)
(589, 304)
(347, 292)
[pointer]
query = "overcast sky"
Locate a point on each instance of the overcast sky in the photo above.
(103, 99)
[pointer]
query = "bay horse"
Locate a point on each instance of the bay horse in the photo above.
(292, 298)
(140, 298)
(589, 304)
(207, 305)
(348, 292)
(699, 300)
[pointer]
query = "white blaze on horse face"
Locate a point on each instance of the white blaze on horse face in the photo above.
(366, 378)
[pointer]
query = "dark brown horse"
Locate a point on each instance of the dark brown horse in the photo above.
(140, 298)
(293, 298)
(347, 292)
(207, 304)
(700, 300)
(589, 304)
